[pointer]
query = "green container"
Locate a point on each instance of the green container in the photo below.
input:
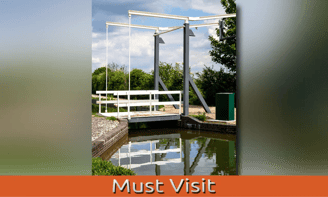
(225, 106)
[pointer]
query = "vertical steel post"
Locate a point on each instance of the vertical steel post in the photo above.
(186, 69)
(106, 63)
(151, 152)
(156, 66)
(119, 157)
(100, 103)
(130, 153)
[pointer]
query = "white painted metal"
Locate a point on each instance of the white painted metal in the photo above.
(141, 13)
(166, 103)
(191, 26)
(150, 103)
(133, 26)
(130, 153)
(152, 151)
(167, 31)
(203, 25)
(129, 51)
(128, 103)
(106, 60)
(180, 140)
(180, 103)
(118, 106)
(129, 116)
(99, 104)
(140, 26)
(215, 17)
(139, 113)
(156, 162)
(143, 142)
(125, 92)
(169, 92)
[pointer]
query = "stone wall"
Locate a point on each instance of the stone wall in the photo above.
(104, 142)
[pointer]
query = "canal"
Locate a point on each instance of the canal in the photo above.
(177, 152)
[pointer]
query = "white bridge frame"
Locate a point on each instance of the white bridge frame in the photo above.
(133, 103)
(186, 79)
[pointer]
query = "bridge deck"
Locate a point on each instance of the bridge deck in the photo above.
(146, 117)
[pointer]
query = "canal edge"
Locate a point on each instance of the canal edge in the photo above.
(104, 142)
(188, 122)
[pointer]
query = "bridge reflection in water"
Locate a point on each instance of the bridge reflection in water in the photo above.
(177, 152)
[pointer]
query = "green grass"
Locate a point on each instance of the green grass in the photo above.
(110, 97)
(201, 117)
(111, 118)
(100, 167)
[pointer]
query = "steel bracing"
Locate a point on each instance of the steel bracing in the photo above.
(187, 80)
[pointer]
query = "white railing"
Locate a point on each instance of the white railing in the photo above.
(134, 103)
(151, 151)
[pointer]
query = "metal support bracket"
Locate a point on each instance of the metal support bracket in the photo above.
(168, 95)
(199, 95)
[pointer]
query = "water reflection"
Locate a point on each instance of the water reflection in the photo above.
(182, 152)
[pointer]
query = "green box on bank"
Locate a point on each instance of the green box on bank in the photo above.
(225, 106)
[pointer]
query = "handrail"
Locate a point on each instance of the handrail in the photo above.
(128, 103)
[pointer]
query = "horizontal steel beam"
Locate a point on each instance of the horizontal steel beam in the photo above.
(173, 29)
(125, 92)
(190, 26)
(134, 26)
(141, 13)
(186, 18)
(140, 26)
(211, 17)
(153, 118)
(203, 25)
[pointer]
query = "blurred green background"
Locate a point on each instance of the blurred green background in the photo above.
(45, 87)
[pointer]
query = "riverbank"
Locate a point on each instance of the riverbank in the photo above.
(100, 126)
(106, 133)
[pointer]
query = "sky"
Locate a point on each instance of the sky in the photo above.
(142, 40)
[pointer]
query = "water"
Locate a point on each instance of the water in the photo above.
(177, 152)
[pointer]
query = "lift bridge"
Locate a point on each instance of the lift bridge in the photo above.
(153, 101)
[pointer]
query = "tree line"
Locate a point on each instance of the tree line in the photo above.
(209, 81)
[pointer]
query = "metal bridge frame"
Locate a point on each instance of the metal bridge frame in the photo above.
(186, 33)
(157, 40)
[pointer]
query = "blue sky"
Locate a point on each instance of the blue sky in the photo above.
(142, 41)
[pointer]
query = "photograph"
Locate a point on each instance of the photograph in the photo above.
(163, 88)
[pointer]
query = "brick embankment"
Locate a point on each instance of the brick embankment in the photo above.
(108, 139)
(193, 123)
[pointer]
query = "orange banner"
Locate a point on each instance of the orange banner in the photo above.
(163, 185)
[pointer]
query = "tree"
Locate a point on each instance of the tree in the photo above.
(141, 80)
(212, 82)
(224, 52)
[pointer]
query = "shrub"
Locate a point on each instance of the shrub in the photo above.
(111, 118)
(101, 167)
(201, 117)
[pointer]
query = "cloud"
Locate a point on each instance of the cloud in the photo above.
(211, 7)
(142, 49)
(95, 60)
(142, 41)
